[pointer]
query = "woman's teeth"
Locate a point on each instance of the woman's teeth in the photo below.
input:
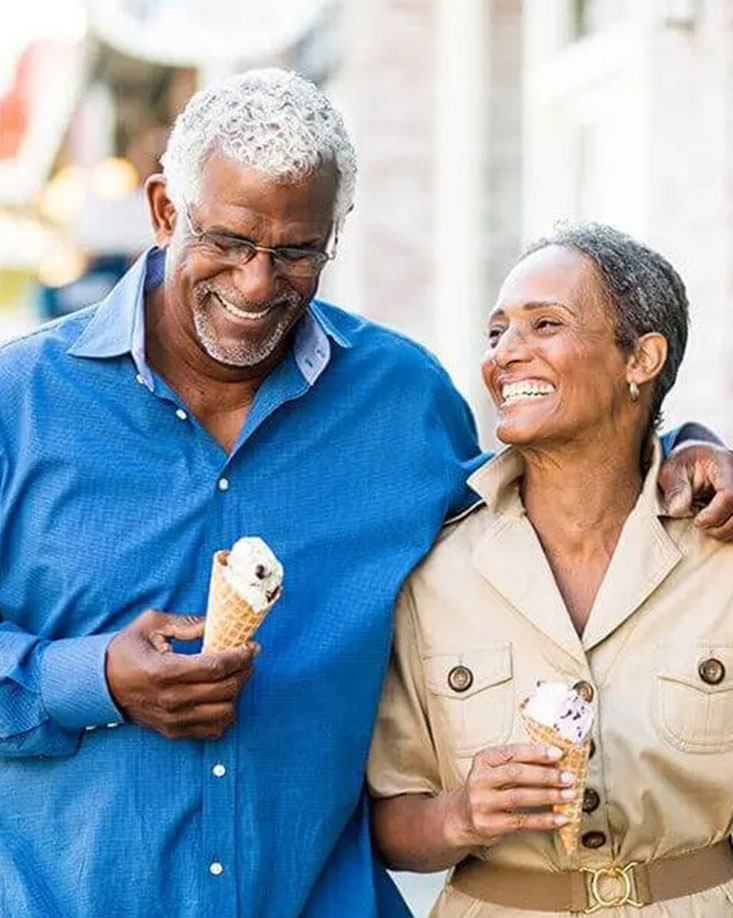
(512, 392)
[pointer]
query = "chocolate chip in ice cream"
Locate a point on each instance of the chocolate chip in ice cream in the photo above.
(261, 571)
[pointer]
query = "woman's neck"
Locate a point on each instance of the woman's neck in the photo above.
(577, 497)
(580, 490)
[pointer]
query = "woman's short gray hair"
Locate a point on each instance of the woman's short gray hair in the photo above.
(642, 289)
(270, 119)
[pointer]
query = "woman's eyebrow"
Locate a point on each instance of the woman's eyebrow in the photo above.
(531, 305)
(543, 304)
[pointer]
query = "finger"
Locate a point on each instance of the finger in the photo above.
(494, 756)
(203, 715)
(514, 798)
(677, 499)
(190, 695)
(717, 513)
(722, 533)
(517, 774)
(208, 667)
(504, 823)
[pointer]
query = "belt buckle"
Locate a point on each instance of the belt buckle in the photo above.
(595, 895)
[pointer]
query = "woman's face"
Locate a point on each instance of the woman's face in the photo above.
(552, 366)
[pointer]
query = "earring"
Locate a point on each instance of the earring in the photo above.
(633, 391)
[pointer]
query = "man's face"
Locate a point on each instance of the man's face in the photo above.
(241, 312)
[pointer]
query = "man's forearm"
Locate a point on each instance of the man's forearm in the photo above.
(413, 832)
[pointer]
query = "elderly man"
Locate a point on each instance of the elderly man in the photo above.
(210, 396)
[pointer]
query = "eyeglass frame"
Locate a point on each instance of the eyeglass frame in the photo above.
(252, 248)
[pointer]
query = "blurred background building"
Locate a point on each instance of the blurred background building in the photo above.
(479, 124)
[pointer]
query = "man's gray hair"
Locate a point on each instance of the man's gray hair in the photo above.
(642, 289)
(272, 120)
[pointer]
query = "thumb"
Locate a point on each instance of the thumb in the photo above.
(181, 627)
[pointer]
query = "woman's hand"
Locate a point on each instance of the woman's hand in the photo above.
(503, 782)
(426, 833)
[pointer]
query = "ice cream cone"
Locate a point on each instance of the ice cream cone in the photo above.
(230, 620)
(575, 760)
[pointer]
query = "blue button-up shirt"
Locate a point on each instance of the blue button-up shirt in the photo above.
(113, 499)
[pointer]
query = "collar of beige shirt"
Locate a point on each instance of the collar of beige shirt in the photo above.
(509, 555)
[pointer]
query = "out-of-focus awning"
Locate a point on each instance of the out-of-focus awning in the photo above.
(34, 114)
(186, 33)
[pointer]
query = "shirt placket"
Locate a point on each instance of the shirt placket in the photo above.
(219, 864)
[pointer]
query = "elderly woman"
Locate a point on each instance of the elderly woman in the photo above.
(569, 570)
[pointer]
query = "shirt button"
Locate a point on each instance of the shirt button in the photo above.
(140, 379)
(218, 770)
(216, 868)
(180, 413)
(711, 671)
(585, 690)
(593, 840)
(460, 678)
(223, 484)
(591, 800)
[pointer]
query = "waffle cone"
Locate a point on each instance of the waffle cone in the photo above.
(230, 620)
(575, 760)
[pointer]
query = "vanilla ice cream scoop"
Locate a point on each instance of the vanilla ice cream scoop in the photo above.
(254, 572)
(556, 705)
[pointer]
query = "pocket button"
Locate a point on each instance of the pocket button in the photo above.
(460, 678)
(711, 671)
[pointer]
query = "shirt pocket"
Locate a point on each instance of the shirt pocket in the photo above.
(694, 696)
(472, 696)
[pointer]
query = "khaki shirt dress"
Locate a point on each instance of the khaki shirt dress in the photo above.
(657, 652)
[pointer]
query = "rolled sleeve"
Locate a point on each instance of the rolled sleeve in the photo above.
(73, 685)
(403, 759)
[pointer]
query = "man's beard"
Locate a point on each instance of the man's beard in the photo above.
(243, 352)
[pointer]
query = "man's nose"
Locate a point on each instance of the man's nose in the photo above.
(256, 281)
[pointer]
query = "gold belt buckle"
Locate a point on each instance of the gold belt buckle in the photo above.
(625, 897)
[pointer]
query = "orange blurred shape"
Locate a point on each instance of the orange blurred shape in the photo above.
(15, 105)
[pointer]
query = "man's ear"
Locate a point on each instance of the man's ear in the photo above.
(162, 209)
(647, 359)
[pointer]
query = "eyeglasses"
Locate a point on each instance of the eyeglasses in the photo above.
(293, 261)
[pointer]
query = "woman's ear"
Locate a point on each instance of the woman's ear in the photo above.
(647, 359)
(162, 209)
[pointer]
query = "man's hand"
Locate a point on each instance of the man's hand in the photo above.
(178, 695)
(700, 475)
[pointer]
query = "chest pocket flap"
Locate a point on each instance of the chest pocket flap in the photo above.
(473, 696)
(694, 696)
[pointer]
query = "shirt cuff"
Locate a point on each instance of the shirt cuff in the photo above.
(73, 685)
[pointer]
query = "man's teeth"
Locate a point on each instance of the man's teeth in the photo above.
(240, 313)
(525, 389)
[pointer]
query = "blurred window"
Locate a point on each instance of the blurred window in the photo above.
(588, 16)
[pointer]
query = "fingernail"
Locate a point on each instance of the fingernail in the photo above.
(567, 794)
(560, 820)
(553, 752)
(567, 777)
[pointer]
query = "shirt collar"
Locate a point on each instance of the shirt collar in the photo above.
(118, 325)
(496, 481)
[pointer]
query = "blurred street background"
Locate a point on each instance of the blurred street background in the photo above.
(479, 124)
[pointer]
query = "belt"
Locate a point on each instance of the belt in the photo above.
(589, 890)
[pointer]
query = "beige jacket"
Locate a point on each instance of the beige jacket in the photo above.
(485, 599)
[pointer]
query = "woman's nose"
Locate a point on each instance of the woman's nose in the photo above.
(511, 347)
